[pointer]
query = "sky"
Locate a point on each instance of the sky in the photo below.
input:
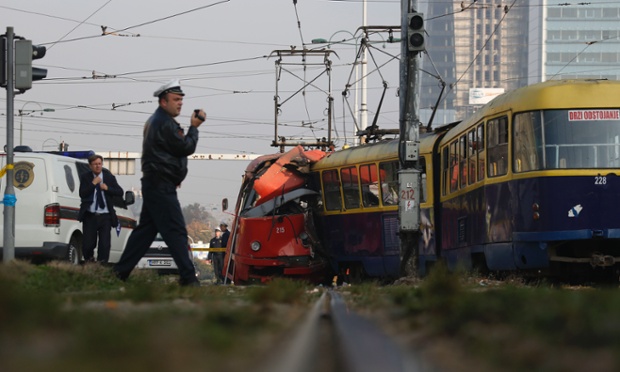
(101, 86)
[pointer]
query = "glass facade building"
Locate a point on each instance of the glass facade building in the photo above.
(487, 46)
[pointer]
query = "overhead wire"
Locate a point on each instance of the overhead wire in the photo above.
(104, 33)
(79, 24)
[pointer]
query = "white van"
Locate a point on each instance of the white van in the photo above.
(48, 201)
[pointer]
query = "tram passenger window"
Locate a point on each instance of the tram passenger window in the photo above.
(471, 156)
(497, 139)
(480, 148)
(370, 185)
(423, 182)
(350, 187)
(445, 170)
(331, 186)
(463, 160)
(454, 166)
(527, 142)
(388, 174)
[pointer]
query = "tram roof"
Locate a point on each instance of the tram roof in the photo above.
(552, 94)
(378, 151)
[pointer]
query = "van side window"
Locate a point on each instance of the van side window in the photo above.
(82, 168)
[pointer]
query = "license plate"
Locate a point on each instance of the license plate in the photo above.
(160, 263)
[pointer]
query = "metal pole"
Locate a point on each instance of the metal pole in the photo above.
(8, 253)
(363, 106)
(408, 175)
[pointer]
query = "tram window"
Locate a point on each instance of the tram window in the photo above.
(388, 173)
(463, 160)
(577, 139)
(527, 142)
(445, 170)
(471, 157)
(331, 186)
(424, 187)
(350, 187)
(480, 148)
(454, 166)
(497, 140)
(370, 185)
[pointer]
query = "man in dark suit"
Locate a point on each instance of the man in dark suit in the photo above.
(97, 213)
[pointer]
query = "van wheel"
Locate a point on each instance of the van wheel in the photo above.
(75, 251)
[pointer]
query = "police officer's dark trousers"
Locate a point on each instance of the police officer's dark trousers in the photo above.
(161, 212)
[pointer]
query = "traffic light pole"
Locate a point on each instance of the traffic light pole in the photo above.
(9, 200)
(409, 123)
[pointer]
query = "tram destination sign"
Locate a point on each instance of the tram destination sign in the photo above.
(593, 115)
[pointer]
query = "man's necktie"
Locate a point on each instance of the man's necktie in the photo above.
(99, 196)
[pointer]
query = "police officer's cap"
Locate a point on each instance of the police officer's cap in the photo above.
(223, 223)
(173, 86)
(217, 229)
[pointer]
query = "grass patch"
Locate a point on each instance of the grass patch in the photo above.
(517, 327)
(63, 317)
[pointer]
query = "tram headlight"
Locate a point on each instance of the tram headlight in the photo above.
(255, 246)
(303, 236)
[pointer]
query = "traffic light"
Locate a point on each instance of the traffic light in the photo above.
(415, 32)
(25, 52)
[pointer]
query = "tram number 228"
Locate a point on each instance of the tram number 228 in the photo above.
(600, 180)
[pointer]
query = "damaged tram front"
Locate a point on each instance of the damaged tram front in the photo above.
(273, 233)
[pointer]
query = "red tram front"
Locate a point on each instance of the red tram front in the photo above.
(273, 234)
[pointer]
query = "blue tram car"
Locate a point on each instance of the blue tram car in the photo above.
(358, 218)
(529, 182)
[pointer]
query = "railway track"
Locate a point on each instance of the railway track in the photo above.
(333, 338)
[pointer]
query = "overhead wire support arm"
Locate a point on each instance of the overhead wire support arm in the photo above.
(279, 140)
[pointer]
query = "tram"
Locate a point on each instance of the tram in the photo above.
(529, 182)
(273, 232)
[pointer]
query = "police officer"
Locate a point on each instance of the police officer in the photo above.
(225, 233)
(165, 149)
(217, 258)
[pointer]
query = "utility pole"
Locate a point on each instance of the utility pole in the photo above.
(409, 123)
(8, 253)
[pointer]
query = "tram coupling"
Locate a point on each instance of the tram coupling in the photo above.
(602, 260)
